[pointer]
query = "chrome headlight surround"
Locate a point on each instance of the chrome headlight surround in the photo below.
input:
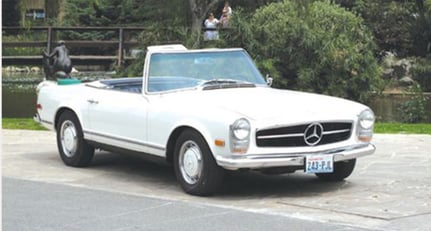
(365, 125)
(240, 132)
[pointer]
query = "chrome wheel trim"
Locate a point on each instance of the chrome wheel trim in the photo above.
(68, 138)
(190, 162)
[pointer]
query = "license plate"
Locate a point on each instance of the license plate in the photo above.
(319, 164)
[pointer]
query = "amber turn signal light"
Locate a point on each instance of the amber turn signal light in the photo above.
(219, 143)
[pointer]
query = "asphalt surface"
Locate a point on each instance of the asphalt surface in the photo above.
(390, 190)
(30, 205)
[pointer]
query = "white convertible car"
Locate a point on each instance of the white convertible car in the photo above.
(204, 112)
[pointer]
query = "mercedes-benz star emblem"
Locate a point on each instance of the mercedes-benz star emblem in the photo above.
(313, 134)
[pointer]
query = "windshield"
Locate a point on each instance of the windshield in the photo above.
(172, 71)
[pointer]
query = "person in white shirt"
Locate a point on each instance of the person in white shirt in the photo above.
(211, 23)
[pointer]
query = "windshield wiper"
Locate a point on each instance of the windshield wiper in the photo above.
(224, 83)
(218, 81)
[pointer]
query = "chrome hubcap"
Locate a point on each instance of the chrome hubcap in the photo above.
(190, 162)
(69, 139)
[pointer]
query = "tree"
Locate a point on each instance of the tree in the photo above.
(10, 13)
(398, 26)
(315, 46)
(155, 15)
(126, 13)
(52, 8)
(392, 23)
(423, 28)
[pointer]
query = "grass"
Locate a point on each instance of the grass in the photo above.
(21, 123)
(399, 128)
(389, 128)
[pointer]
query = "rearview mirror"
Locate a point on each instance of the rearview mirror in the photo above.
(269, 80)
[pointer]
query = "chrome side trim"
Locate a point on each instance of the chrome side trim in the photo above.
(161, 148)
(47, 124)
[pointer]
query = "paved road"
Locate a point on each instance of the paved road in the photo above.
(30, 205)
(390, 190)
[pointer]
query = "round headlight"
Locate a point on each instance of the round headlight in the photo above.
(241, 129)
(366, 119)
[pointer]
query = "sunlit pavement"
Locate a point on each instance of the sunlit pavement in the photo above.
(390, 190)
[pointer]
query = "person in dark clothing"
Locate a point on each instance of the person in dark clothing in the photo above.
(61, 64)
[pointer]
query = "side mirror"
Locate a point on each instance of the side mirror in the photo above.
(269, 80)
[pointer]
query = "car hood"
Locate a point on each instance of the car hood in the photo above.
(264, 103)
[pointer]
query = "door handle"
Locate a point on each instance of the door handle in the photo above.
(92, 101)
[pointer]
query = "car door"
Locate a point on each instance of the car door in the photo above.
(118, 118)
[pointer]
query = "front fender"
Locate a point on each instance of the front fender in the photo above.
(164, 122)
(210, 130)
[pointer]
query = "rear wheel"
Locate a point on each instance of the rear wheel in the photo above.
(73, 149)
(195, 167)
(342, 170)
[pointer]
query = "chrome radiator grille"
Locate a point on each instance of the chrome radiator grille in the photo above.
(304, 135)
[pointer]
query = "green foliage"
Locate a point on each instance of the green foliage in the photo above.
(163, 22)
(421, 30)
(25, 37)
(159, 35)
(421, 72)
(392, 23)
(403, 27)
(315, 46)
(125, 13)
(136, 68)
(10, 13)
(22, 123)
(413, 110)
(241, 29)
(399, 128)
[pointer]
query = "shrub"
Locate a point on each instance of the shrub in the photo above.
(413, 110)
(317, 47)
(421, 72)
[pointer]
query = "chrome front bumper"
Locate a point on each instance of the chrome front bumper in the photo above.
(292, 159)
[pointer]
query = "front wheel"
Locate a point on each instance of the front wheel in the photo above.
(195, 167)
(73, 149)
(342, 170)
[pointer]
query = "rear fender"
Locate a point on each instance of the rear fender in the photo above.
(73, 109)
